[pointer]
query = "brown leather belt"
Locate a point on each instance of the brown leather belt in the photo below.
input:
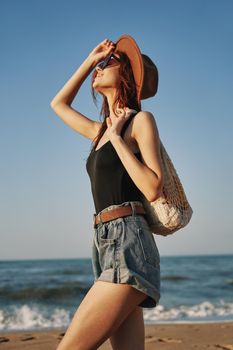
(117, 213)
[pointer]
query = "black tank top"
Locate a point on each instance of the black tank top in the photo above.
(110, 182)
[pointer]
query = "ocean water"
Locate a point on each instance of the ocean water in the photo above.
(39, 294)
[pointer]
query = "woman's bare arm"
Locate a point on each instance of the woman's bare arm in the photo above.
(61, 103)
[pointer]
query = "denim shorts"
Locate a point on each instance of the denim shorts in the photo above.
(124, 251)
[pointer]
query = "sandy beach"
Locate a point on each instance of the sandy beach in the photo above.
(211, 336)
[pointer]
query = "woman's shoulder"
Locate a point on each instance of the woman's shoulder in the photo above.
(143, 118)
(144, 126)
(144, 114)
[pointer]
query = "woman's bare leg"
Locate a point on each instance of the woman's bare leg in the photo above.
(131, 333)
(101, 312)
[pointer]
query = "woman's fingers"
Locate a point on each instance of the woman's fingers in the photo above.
(103, 49)
(108, 43)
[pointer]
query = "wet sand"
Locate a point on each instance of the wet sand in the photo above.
(208, 336)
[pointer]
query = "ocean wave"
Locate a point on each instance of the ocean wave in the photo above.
(203, 311)
(27, 317)
(175, 278)
(32, 318)
(56, 293)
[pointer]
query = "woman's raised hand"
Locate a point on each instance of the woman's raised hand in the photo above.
(102, 50)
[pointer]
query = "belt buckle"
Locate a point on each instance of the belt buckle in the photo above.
(94, 219)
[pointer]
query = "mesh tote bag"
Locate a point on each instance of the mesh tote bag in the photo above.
(172, 211)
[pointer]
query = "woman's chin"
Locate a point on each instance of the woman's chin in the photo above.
(97, 87)
(98, 91)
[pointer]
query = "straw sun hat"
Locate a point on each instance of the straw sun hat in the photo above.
(144, 69)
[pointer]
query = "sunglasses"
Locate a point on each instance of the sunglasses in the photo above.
(111, 60)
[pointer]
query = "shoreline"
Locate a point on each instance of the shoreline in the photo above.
(49, 329)
(176, 336)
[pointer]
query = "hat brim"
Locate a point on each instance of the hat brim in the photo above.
(128, 45)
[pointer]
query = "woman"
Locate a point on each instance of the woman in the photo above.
(124, 164)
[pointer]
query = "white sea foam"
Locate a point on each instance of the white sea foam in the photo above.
(32, 317)
(203, 311)
(25, 317)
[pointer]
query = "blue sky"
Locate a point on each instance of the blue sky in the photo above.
(46, 202)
